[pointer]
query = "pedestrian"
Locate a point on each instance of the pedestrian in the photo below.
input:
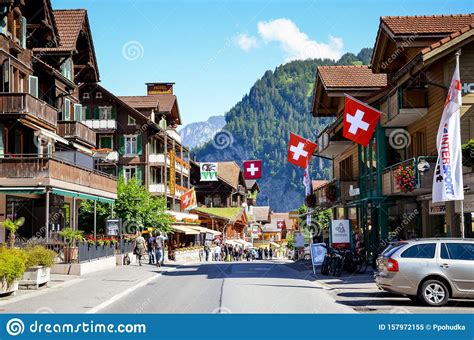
(207, 250)
(259, 253)
(218, 252)
(265, 253)
(158, 249)
(140, 248)
(270, 252)
(151, 249)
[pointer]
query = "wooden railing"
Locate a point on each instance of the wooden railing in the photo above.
(32, 166)
(73, 129)
(23, 103)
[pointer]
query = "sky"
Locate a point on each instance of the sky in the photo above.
(215, 50)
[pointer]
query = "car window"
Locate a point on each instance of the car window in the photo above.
(392, 248)
(458, 251)
(444, 251)
(420, 251)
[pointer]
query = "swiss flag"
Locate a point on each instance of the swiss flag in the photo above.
(188, 200)
(300, 150)
(281, 224)
(253, 169)
(360, 121)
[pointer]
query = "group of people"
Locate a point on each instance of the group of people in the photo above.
(229, 253)
(153, 245)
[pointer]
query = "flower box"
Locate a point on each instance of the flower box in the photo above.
(35, 277)
(6, 288)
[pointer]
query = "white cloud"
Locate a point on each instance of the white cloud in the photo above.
(246, 42)
(296, 44)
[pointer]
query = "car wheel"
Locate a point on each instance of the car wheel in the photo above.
(434, 293)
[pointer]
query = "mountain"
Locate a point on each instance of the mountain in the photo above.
(258, 126)
(198, 134)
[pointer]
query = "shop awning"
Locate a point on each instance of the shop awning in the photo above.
(185, 230)
(22, 190)
(79, 195)
(206, 230)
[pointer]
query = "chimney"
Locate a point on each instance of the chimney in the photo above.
(159, 88)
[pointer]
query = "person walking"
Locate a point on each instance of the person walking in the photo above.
(207, 251)
(140, 248)
(270, 252)
(265, 253)
(158, 249)
(151, 249)
(218, 252)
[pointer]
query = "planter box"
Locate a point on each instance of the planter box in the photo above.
(35, 277)
(8, 289)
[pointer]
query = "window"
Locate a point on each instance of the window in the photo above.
(457, 251)
(98, 95)
(6, 75)
(78, 112)
(105, 112)
(131, 145)
(106, 142)
(345, 168)
(418, 144)
(86, 95)
(130, 172)
(420, 251)
(131, 120)
(86, 113)
(67, 109)
(156, 175)
(66, 69)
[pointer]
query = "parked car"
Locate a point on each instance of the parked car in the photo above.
(428, 270)
(307, 252)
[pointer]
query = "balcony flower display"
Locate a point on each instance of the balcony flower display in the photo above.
(331, 192)
(405, 178)
(310, 200)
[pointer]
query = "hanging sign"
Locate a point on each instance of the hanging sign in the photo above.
(208, 172)
(172, 172)
(341, 234)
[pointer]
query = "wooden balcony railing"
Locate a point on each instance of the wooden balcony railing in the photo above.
(23, 167)
(337, 191)
(26, 104)
(77, 130)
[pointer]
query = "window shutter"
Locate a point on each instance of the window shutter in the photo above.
(67, 109)
(113, 112)
(96, 112)
(33, 86)
(6, 76)
(121, 172)
(78, 112)
(88, 112)
(139, 145)
(23, 32)
(3, 21)
(121, 145)
(138, 175)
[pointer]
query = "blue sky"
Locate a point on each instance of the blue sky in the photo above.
(215, 50)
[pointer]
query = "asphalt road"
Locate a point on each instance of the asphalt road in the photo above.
(242, 287)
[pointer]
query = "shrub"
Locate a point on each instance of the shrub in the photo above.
(12, 264)
(468, 153)
(39, 256)
(71, 236)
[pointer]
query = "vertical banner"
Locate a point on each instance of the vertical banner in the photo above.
(172, 172)
(308, 190)
(208, 171)
(447, 181)
(188, 200)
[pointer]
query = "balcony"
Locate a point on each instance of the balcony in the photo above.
(159, 159)
(101, 124)
(58, 172)
(107, 155)
(337, 191)
(405, 107)
(174, 135)
(418, 182)
(23, 104)
(330, 141)
(159, 189)
(77, 131)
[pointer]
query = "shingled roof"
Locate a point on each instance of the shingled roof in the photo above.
(164, 102)
(229, 172)
(351, 77)
(261, 214)
(427, 24)
(447, 39)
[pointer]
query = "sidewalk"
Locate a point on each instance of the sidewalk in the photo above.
(84, 294)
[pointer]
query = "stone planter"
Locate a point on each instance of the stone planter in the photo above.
(35, 277)
(8, 288)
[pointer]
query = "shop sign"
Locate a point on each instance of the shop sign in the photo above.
(318, 252)
(112, 227)
(340, 234)
(172, 172)
(208, 172)
(467, 88)
(437, 209)
(354, 191)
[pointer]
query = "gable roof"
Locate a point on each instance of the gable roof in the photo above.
(447, 39)
(231, 214)
(427, 24)
(229, 172)
(261, 213)
(141, 102)
(354, 76)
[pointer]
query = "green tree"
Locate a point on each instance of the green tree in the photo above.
(86, 216)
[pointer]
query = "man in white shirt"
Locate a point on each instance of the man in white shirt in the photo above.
(217, 250)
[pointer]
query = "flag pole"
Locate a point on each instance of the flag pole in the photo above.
(458, 53)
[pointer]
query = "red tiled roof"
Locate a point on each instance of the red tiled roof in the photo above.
(427, 24)
(351, 77)
(164, 102)
(447, 39)
(69, 23)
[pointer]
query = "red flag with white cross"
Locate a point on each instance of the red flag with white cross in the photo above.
(300, 150)
(253, 169)
(360, 121)
(188, 200)
(281, 224)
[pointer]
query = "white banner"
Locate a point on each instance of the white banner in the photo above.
(447, 180)
(208, 172)
(308, 189)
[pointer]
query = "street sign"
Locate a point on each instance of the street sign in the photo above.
(340, 234)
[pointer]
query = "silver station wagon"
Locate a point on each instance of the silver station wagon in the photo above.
(428, 270)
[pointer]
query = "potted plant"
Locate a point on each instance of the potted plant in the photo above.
(39, 261)
(12, 267)
(12, 227)
(331, 192)
(310, 200)
(71, 237)
(405, 178)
